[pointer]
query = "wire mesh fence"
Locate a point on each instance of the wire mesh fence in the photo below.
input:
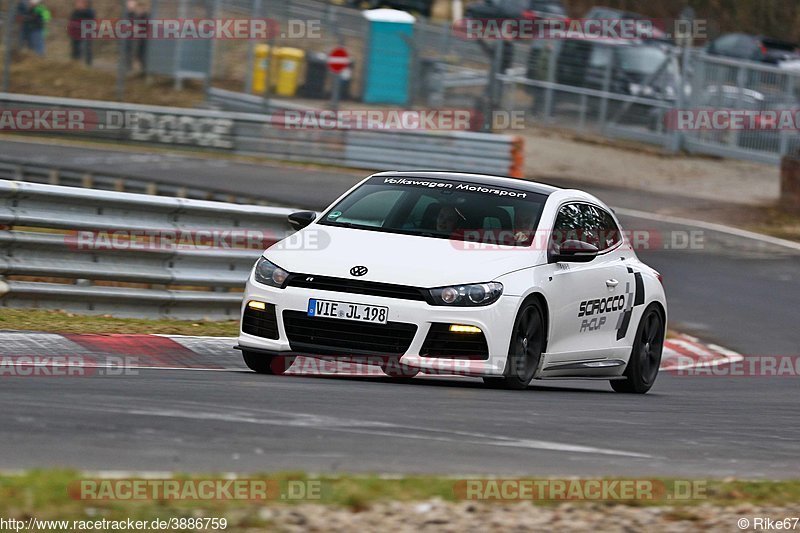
(619, 88)
(642, 91)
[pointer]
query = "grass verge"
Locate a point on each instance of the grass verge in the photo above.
(778, 222)
(55, 494)
(63, 322)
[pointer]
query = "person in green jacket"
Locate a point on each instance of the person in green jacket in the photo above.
(35, 23)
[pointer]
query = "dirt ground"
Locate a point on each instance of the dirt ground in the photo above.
(552, 153)
(740, 193)
(31, 74)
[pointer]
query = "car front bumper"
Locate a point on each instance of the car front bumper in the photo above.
(495, 321)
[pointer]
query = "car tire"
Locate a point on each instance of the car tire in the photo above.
(642, 368)
(267, 364)
(525, 349)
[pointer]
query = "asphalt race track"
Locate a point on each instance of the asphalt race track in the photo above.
(166, 420)
(738, 293)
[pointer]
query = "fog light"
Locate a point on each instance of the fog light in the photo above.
(457, 328)
(258, 306)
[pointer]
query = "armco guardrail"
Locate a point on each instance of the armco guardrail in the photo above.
(263, 135)
(20, 169)
(128, 254)
(225, 100)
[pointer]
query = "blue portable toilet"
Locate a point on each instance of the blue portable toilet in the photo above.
(388, 64)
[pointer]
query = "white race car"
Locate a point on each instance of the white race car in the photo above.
(453, 273)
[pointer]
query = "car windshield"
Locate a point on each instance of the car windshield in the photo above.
(440, 208)
(549, 8)
(603, 13)
(641, 59)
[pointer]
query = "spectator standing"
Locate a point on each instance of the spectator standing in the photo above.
(35, 23)
(81, 48)
(22, 13)
(137, 49)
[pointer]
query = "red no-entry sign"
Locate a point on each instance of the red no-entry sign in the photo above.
(338, 59)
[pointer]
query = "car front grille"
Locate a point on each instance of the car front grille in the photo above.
(444, 344)
(260, 323)
(353, 286)
(331, 336)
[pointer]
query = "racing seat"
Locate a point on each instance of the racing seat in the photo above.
(497, 219)
(428, 221)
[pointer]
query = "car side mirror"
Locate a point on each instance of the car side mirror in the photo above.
(574, 251)
(301, 219)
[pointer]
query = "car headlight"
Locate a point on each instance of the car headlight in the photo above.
(472, 295)
(269, 273)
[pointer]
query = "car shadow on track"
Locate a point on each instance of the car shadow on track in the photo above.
(451, 382)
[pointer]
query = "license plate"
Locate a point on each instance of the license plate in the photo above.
(373, 314)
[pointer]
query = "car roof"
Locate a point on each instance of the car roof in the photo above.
(482, 179)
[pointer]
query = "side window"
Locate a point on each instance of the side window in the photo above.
(584, 222)
(568, 226)
(610, 234)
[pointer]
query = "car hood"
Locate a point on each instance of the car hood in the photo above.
(398, 259)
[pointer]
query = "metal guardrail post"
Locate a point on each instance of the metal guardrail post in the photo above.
(675, 140)
(251, 45)
(603, 113)
(783, 149)
(551, 78)
(124, 51)
(582, 116)
(8, 36)
(177, 55)
(216, 8)
(741, 81)
(491, 91)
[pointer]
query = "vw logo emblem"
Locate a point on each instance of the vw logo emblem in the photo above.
(358, 270)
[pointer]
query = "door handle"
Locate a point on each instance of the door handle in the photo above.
(611, 283)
